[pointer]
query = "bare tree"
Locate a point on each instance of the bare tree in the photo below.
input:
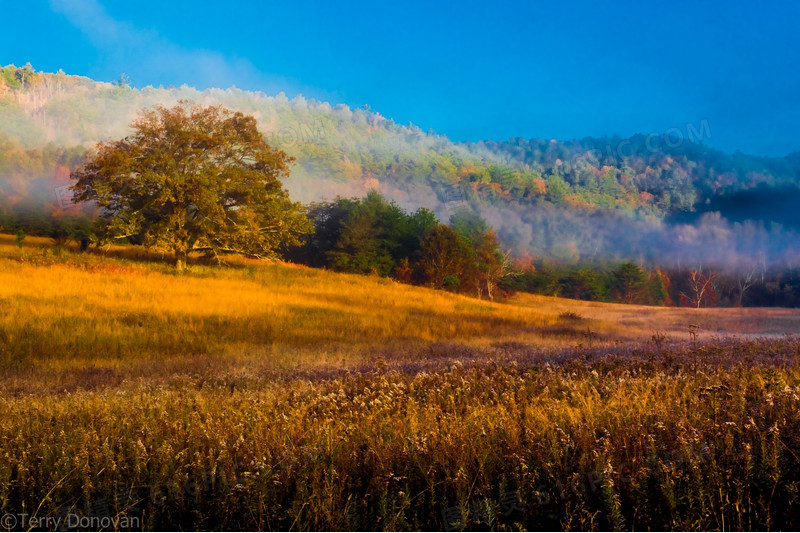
(745, 279)
(702, 289)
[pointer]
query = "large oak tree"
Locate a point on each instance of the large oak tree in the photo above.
(192, 178)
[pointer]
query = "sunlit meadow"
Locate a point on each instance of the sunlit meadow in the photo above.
(269, 396)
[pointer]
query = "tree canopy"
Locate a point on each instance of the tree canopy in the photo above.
(374, 235)
(192, 178)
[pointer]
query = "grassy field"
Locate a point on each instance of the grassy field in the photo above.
(257, 396)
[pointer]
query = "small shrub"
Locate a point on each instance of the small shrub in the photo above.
(570, 316)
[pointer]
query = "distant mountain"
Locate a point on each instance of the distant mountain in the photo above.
(573, 200)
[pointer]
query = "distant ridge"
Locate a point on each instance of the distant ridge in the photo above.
(541, 195)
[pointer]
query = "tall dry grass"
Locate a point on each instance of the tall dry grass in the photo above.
(276, 397)
(671, 440)
(77, 309)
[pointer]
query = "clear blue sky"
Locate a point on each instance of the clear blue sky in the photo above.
(469, 70)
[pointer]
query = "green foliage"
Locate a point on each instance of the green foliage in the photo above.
(446, 259)
(629, 283)
(17, 77)
(374, 237)
(557, 189)
(349, 145)
(624, 282)
(585, 283)
(489, 261)
(193, 179)
(657, 288)
(61, 227)
(552, 192)
(451, 283)
(123, 82)
(327, 219)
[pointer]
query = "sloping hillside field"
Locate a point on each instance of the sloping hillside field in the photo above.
(270, 396)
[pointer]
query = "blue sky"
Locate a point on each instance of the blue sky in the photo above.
(469, 70)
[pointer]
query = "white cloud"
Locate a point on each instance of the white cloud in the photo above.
(148, 58)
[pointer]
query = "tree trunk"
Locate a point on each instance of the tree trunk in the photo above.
(180, 260)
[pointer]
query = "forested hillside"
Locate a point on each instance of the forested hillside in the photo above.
(648, 198)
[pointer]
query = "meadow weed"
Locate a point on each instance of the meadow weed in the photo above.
(258, 396)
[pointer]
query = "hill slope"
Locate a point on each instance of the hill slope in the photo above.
(594, 199)
(125, 307)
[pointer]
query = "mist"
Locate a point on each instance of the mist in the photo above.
(346, 152)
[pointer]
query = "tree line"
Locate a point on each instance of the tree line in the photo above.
(624, 282)
(194, 180)
(372, 235)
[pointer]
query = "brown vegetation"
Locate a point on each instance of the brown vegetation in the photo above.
(263, 396)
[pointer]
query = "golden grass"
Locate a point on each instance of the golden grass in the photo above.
(271, 396)
(87, 308)
(84, 309)
(637, 322)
